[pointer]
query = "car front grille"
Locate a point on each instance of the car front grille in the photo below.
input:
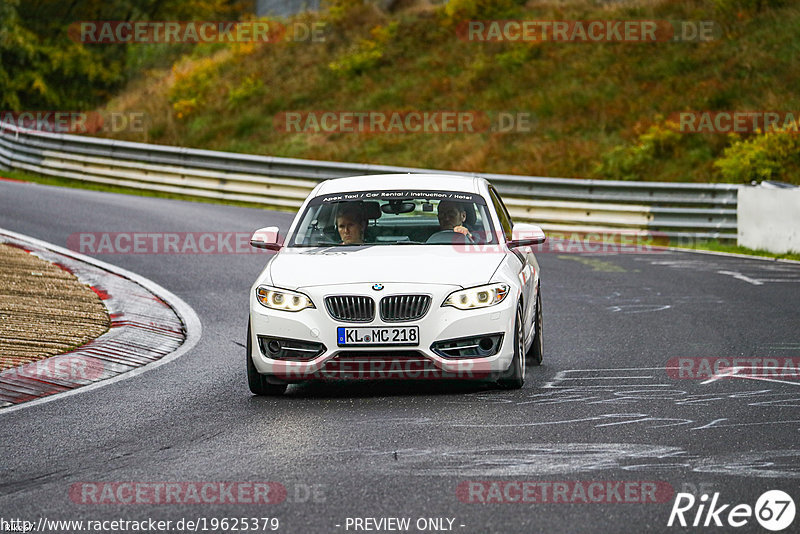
(352, 308)
(398, 308)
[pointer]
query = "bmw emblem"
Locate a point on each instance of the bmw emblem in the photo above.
(377, 287)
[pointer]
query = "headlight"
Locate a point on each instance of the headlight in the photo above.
(477, 297)
(282, 299)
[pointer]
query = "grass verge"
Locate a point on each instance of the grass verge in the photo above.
(716, 246)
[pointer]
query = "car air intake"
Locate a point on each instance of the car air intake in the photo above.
(397, 308)
(469, 347)
(289, 349)
(355, 308)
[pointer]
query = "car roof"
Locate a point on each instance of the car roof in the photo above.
(388, 182)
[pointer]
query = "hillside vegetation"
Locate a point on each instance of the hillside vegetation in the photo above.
(600, 110)
(44, 68)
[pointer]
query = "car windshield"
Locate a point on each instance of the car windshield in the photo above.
(394, 218)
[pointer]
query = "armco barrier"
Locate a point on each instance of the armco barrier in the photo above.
(677, 210)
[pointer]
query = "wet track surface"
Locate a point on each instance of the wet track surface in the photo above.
(604, 406)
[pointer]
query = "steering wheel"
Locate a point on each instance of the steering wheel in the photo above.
(449, 237)
(327, 240)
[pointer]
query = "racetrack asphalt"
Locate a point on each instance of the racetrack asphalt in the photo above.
(602, 407)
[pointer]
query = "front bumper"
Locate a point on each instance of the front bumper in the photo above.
(316, 326)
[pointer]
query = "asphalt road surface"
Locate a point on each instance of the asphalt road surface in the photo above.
(604, 407)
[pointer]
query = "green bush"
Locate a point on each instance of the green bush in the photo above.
(193, 81)
(514, 58)
(460, 10)
(632, 161)
(366, 53)
(44, 65)
(769, 156)
(339, 11)
(735, 7)
(251, 87)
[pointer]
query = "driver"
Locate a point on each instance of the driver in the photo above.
(351, 222)
(452, 216)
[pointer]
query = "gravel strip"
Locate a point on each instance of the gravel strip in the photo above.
(44, 309)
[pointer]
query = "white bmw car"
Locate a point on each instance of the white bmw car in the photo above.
(396, 276)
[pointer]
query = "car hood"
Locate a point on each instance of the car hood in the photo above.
(294, 268)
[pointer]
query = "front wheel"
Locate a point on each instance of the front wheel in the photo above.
(258, 383)
(535, 353)
(514, 377)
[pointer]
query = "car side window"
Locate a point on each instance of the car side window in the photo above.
(502, 214)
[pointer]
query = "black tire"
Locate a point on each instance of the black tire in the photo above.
(514, 377)
(259, 384)
(535, 353)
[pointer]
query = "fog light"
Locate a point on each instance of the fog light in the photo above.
(469, 347)
(486, 344)
(279, 348)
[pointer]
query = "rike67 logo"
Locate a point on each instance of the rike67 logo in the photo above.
(774, 510)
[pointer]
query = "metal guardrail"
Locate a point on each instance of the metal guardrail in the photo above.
(676, 210)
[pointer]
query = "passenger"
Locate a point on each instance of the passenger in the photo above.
(351, 223)
(452, 216)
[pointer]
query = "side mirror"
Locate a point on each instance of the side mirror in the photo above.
(526, 235)
(266, 238)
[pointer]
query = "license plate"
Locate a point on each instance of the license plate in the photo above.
(377, 336)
